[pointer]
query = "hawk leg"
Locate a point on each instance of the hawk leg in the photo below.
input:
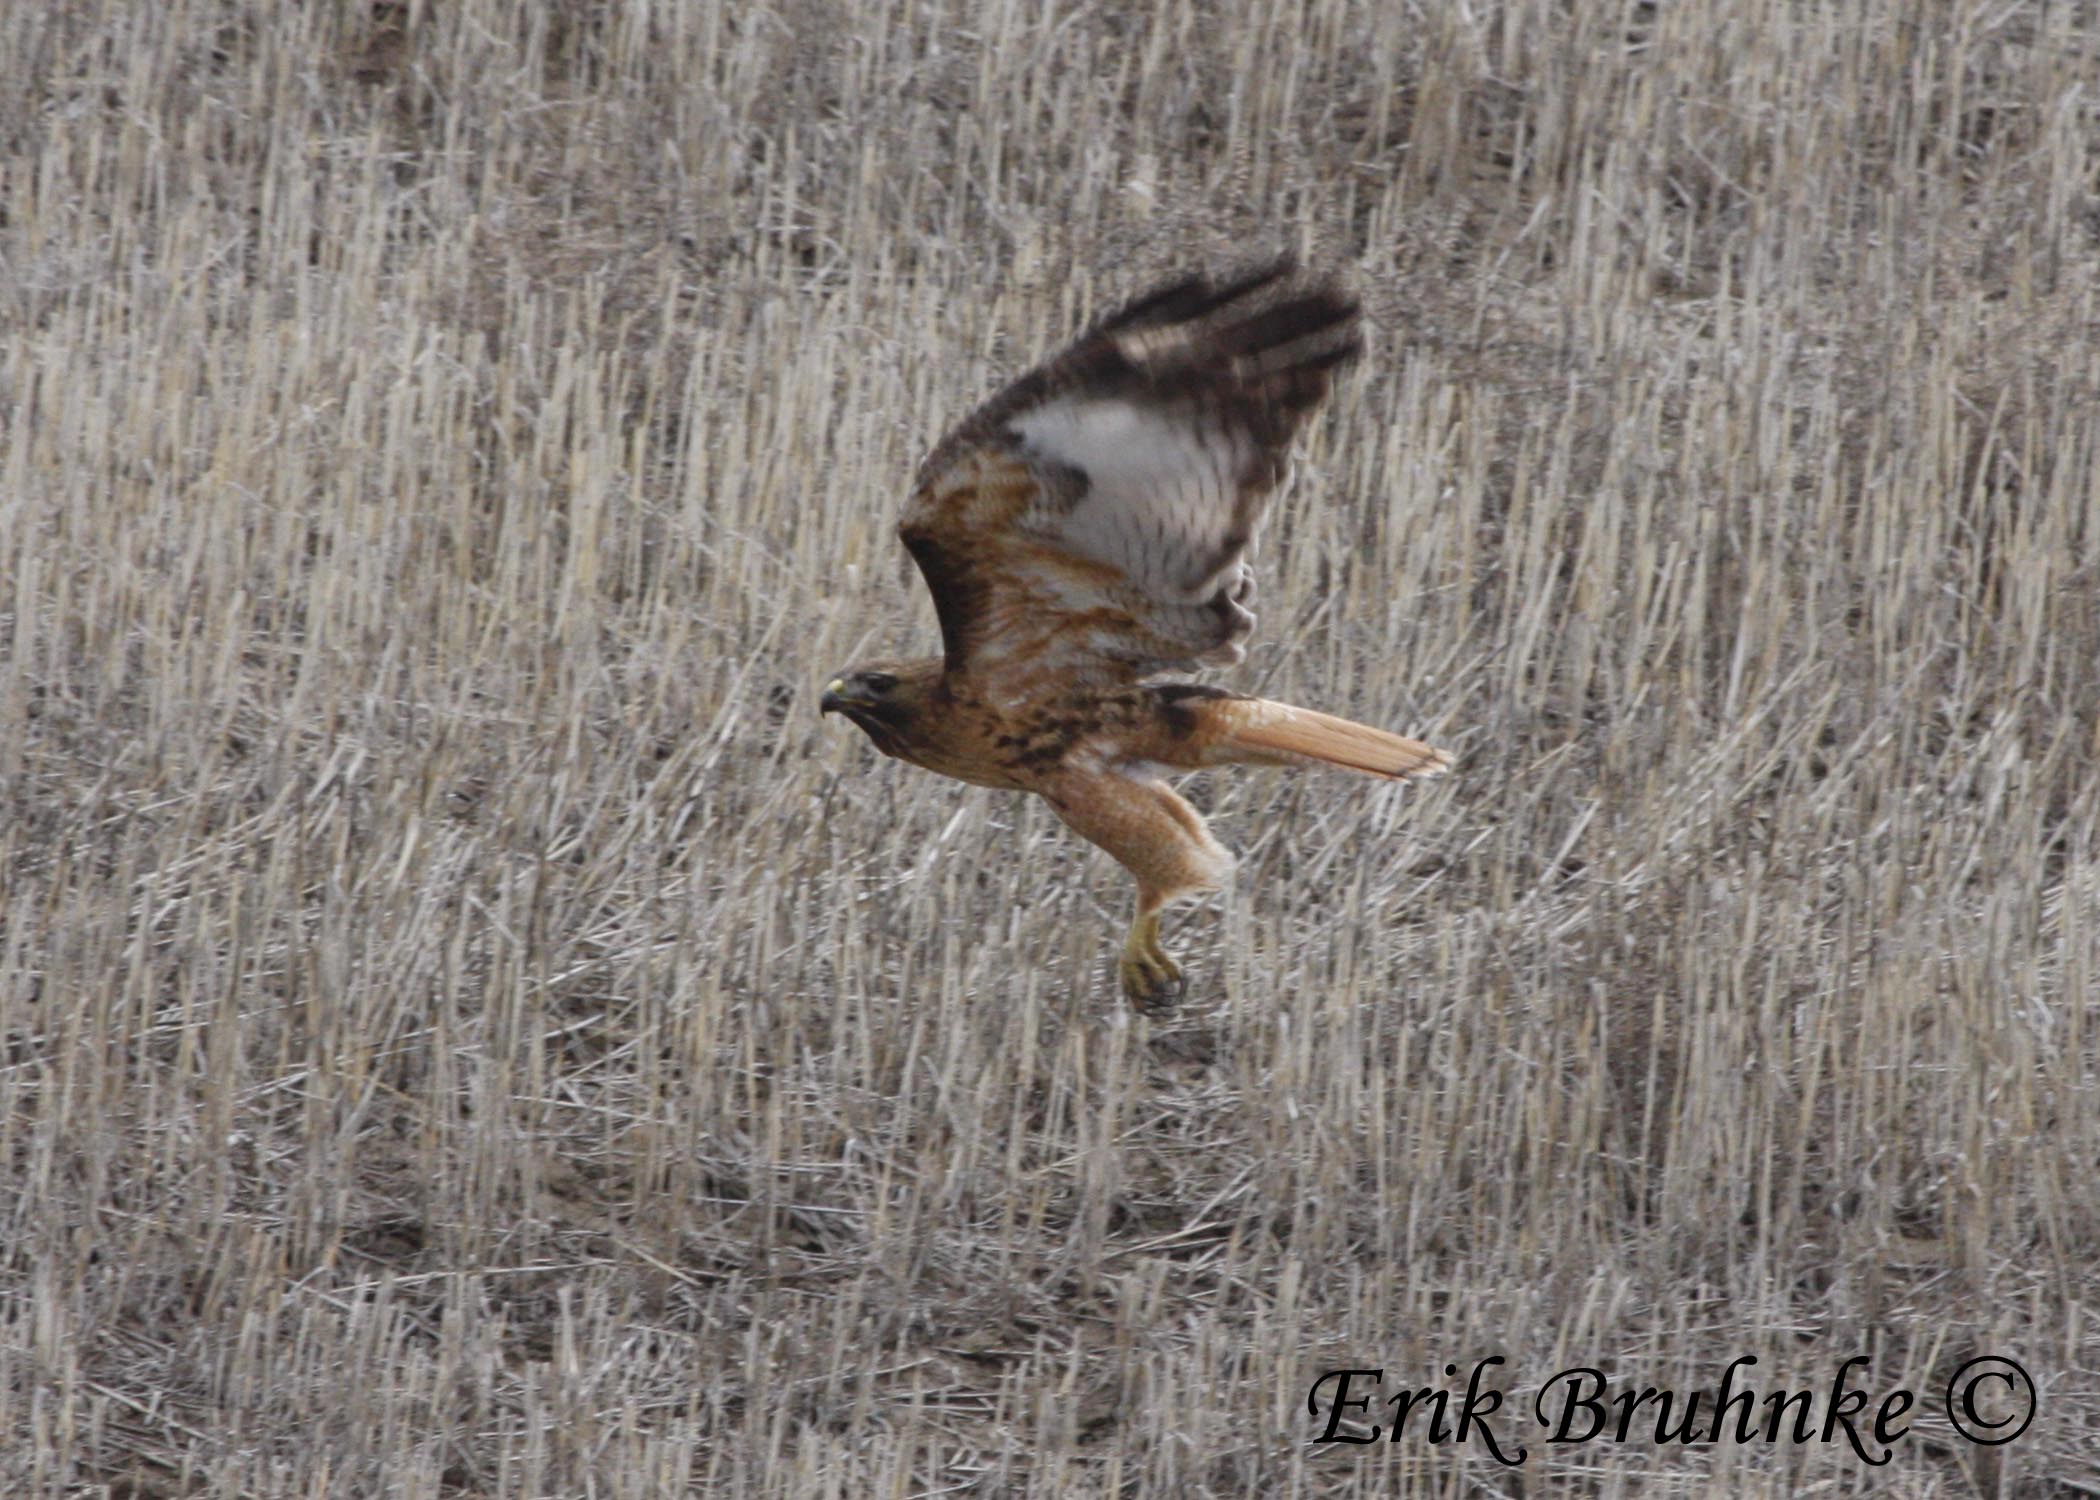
(1151, 979)
(1162, 841)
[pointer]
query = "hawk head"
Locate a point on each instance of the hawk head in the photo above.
(886, 699)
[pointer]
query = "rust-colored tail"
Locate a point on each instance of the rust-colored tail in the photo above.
(1255, 731)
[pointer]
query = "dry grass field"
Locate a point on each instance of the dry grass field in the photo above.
(469, 1028)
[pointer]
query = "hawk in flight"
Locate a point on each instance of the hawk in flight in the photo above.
(1086, 531)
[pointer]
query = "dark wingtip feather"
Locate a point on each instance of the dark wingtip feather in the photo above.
(1196, 295)
(1270, 335)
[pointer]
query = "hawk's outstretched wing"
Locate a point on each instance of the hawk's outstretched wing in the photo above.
(1090, 523)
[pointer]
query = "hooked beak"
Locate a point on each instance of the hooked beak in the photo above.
(836, 698)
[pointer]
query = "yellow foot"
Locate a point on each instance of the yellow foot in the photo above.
(1151, 979)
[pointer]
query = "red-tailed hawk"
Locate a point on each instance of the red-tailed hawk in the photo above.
(1085, 531)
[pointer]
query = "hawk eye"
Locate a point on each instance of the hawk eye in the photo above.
(878, 682)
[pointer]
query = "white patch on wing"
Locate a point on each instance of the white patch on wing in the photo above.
(1146, 770)
(1161, 490)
